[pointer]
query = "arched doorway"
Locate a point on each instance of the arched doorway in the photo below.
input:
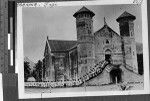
(108, 55)
(116, 75)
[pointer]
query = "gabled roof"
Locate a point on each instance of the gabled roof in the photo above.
(126, 15)
(104, 34)
(84, 10)
(61, 45)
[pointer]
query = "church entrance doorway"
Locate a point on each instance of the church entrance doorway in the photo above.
(116, 75)
(108, 56)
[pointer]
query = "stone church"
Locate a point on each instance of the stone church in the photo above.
(69, 60)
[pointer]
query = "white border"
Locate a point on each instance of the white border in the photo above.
(1, 87)
(19, 53)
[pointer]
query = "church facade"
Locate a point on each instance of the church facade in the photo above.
(69, 60)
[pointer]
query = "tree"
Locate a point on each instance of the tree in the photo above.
(26, 71)
(34, 74)
(37, 73)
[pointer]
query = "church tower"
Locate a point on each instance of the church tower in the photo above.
(85, 39)
(126, 24)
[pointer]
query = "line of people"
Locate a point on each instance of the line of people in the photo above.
(97, 69)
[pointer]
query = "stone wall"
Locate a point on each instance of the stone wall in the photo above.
(106, 40)
(127, 77)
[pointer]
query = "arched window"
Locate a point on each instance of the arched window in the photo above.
(107, 42)
(131, 33)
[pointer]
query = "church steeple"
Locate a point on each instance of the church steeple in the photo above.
(126, 25)
(85, 39)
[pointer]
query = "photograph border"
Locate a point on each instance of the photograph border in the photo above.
(1, 87)
(20, 57)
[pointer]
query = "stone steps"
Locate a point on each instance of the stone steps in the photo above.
(94, 72)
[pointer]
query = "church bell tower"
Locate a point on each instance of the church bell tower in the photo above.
(126, 24)
(85, 39)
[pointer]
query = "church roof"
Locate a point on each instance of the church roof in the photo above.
(126, 15)
(84, 10)
(61, 45)
(110, 34)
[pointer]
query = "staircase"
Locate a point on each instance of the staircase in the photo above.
(94, 72)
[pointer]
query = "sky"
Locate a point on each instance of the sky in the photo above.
(58, 23)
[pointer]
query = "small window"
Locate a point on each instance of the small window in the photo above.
(107, 42)
(131, 33)
(89, 31)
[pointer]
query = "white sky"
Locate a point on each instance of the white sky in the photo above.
(59, 23)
